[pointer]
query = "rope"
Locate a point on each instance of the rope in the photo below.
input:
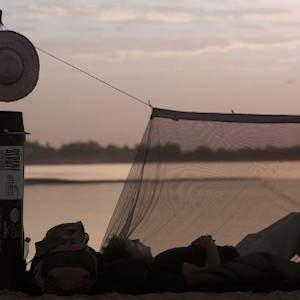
(94, 77)
(85, 73)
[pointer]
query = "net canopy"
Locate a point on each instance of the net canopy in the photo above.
(224, 175)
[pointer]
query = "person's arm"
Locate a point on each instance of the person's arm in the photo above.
(213, 258)
(197, 277)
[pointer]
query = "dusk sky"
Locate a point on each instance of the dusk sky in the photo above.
(206, 56)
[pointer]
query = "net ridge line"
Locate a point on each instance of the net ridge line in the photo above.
(85, 72)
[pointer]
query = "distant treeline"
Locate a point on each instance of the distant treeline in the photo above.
(92, 152)
(78, 152)
(172, 152)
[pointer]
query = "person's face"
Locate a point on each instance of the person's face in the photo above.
(138, 250)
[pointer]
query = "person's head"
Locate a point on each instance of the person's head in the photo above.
(118, 248)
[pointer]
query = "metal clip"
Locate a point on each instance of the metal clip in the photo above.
(15, 132)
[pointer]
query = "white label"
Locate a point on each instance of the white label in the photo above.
(14, 215)
(11, 172)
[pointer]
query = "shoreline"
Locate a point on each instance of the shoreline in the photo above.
(287, 295)
(36, 181)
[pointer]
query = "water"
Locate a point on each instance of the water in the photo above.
(95, 190)
(47, 205)
(86, 172)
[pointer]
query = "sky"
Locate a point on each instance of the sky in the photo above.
(189, 55)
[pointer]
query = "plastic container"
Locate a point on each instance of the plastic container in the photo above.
(26, 247)
(12, 139)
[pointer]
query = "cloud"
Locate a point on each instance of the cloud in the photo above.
(137, 30)
(158, 48)
(289, 23)
(117, 15)
(107, 13)
(158, 13)
(169, 16)
(268, 40)
(251, 12)
(284, 61)
(138, 14)
(232, 47)
(262, 13)
(54, 10)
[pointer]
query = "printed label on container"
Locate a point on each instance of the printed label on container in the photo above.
(11, 172)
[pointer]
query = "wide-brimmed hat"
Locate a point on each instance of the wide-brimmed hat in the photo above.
(19, 66)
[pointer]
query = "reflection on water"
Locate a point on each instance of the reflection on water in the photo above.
(114, 172)
(78, 172)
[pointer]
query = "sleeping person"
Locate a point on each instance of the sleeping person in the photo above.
(129, 266)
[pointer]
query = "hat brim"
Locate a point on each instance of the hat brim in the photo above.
(19, 66)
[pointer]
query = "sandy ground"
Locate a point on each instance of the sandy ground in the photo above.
(166, 296)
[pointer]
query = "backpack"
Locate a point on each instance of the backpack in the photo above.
(64, 263)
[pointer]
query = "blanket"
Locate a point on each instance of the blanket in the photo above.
(257, 272)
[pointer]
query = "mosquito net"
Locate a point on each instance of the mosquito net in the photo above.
(195, 174)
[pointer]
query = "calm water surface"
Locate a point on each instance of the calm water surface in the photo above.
(47, 205)
(78, 172)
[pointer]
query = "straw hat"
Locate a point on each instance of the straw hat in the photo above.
(19, 66)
